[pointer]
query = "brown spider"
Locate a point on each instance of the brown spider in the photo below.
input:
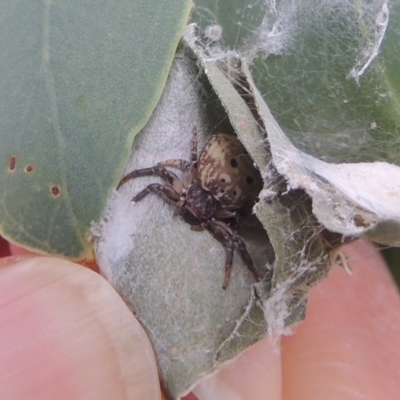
(215, 185)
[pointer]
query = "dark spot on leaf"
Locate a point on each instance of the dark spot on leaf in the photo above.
(12, 163)
(234, 163)
(222, 191)
(28, 168)
(249, 180)
(234, 193)
(56, 190)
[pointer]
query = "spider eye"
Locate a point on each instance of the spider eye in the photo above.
(234, 163)
(234, 193)
(222, 180)
(249, 180)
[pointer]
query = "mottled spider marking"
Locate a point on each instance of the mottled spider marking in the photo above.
(226, 170)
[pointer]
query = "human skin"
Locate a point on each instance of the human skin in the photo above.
(66, 334)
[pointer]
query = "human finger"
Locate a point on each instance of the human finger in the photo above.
(349, 345)
(255, 375)
(66, 334)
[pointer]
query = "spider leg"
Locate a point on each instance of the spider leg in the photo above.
(157, 170)
(193, 153)
(177, 163)
(223, 236)
(225, 214)
(228, 238)
(159, 189)
(245, 256)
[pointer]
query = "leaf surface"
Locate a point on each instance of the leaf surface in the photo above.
(79, 80)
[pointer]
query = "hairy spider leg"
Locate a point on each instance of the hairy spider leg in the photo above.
(159, 189)
(193, 152)
(245, 256)
(177, 163)
(172, 190)
(225, 214)
(228, 238)
(223, 236)
(162, 172)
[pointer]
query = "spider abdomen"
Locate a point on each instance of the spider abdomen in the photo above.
(226, 170)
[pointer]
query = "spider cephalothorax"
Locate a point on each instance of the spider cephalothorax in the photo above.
(216, 184)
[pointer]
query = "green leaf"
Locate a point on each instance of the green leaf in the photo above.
(79, 80)
(308, 207)
(172, 276)
(334, 85)
(327, 69)
(299, 206)
(300, 256)
(237, 19)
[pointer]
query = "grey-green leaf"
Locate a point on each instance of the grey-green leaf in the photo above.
(78, 81)
(170, 275)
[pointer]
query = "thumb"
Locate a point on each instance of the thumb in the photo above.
(66, 334)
